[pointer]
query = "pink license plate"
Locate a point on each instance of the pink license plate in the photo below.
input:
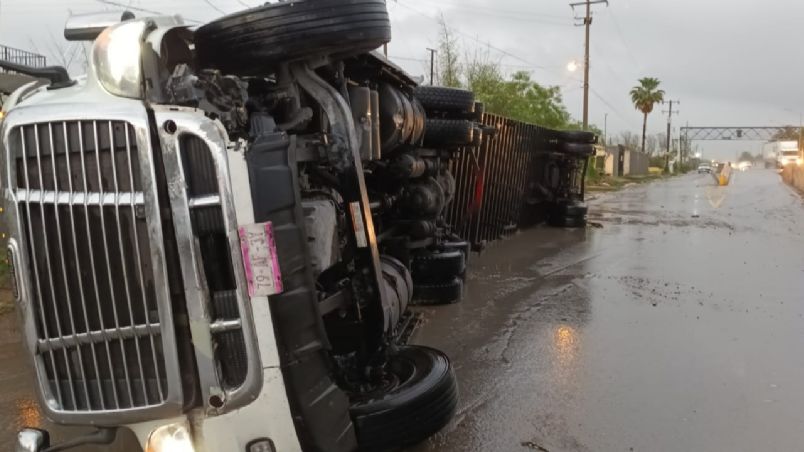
(260, 260)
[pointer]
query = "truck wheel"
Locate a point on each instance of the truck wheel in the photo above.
(438, 98)
(461, 246)
(418, 399)
(446, 292)
(442, 266)
(579, 149)
(448, 132)
(250, 42)
(577, 136)
(570, 210)
(564, 222)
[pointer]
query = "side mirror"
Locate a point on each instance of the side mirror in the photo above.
(87, 27)
(32, 440)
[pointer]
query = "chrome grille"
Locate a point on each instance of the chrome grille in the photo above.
(83, 220)
(195, 152)
(209, 228)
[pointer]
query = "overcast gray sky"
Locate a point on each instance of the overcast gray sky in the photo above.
(729, 62)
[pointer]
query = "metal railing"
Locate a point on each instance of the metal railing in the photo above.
(20, 56)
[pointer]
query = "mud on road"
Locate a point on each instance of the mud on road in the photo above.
(675, 326)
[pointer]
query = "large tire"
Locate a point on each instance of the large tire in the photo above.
(448, 132)
(433, 267)
(578, 136)
(441, 293)
(462, 246)
(571, 209)
(251, 42)
(438, 98)
(565, 222)
(578, 149)
(422, 401)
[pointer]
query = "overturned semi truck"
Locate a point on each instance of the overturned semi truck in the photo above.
(216, 234)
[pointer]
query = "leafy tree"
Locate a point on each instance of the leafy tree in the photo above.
(645, 96)
(745, 157)
(515, 96)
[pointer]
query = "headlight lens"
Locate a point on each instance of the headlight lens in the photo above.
(170, 438)
(116, 56)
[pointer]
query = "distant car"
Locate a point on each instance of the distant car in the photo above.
(745, 165)
(704, 168)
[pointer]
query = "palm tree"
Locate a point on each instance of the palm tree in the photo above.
(645, 96)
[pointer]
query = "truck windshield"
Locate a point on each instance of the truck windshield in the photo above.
(789, 153)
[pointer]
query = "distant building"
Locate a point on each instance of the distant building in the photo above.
(621, 161)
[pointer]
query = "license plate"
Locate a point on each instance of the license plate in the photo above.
(260, 261)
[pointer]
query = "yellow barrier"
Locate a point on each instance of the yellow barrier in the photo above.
(724, 176)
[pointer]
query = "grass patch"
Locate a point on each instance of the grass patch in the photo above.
(6, 301)
(608, 183)
(6, 307)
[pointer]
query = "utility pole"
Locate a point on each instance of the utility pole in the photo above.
(587, 22)
(669, 130)
(432, 64)
(800, 125)
(605, 129)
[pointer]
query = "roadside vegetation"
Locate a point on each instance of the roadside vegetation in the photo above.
(515, 95)
(6, 303)
(518, 96)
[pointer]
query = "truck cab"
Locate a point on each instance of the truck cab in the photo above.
(216, 233)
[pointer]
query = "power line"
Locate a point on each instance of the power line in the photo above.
(497, 49)
(606, 103)
(622, 37)
(424, 60)
(149, 11)
(212, 5)
(484, 10)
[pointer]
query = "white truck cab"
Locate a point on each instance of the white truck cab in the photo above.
(194, 247)
(782, 153)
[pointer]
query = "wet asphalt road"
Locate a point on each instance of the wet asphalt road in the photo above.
(676, 326)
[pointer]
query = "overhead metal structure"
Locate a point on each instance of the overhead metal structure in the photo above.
(736, 133)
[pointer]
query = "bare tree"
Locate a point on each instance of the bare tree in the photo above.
(629, 139)
(449, 66)
(651, 144)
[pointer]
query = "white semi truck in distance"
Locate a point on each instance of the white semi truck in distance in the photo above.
(781, 153)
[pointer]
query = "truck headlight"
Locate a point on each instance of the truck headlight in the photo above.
(170, 438)
(116, 57)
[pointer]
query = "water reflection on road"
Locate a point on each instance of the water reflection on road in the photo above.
(675, 326)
